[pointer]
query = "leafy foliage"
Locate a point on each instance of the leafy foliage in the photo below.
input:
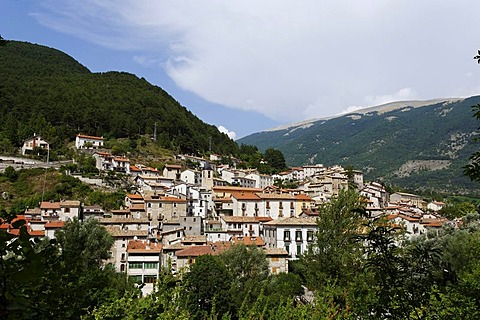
(43, 279)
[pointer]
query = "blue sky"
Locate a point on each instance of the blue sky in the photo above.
(251, 65)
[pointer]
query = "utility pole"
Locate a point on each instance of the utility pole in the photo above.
(155, 132)
(210, 144)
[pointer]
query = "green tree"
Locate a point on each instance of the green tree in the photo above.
(21, 268)
(207, 285)
(275, 159)
(248, 270)
(84, 245)
(335, 254)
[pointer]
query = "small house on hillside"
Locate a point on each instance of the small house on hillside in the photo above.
(88, 142)
(33, 143)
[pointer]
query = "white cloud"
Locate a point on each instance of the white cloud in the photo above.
(231, 134)
(404, 94)
(287, 60)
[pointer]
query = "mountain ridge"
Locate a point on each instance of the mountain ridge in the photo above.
(382, 108)
(417, 145)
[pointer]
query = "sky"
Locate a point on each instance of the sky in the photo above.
(248, 65)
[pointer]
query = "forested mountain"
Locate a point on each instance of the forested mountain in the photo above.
(420, 147)
(43, 90)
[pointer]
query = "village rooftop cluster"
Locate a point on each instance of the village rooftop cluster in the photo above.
(178, 214)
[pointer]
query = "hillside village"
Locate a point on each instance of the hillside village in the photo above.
(173, 216)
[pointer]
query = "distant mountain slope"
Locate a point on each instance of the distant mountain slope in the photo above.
(45, 91)
(410, 144)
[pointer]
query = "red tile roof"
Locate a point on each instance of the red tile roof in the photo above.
(89, 137)
(50, 205)
(55, 224)
(135, 169)
(249, 241)
(134, 196)
(142, 246)
(195, 251)
(137, 207)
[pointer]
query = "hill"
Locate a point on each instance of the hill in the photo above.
(43, 90)
(418, 145)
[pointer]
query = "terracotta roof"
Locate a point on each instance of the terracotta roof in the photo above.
(50, 205)
(142, 246)
(104, 154)
(293, 221)
(33, 233)
(121, 159)
(55, 224)
(70, 203)
(89, 137)
(195, 251)
(172, 199)
(302, 196)
(196, 239)
(33, 211)
(134, 196)
(263, 219)
(248, 240)
(222, 199)
(245, 196)
(135, 169)
(137, 207)
(120, 211)
(175, 246)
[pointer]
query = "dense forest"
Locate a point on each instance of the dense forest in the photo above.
(43, 90)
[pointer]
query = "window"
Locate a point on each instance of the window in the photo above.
(298, 235)
(275, 259)
(287, 248)
(122, 267)
(286, 235)
(136, 279)
(135, 265)
(299, 250)
(274, 270)
(150, 265)
(149, 279)
(309, 235)
(174, 204)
